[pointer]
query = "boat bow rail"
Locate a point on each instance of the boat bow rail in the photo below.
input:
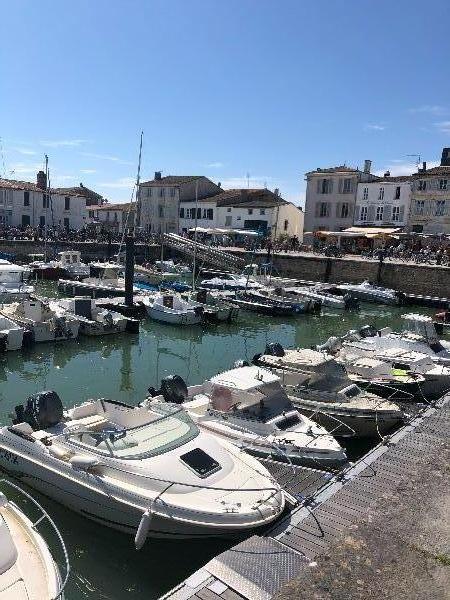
(44, 516)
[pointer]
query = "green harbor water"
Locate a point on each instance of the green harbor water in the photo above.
(104, 562)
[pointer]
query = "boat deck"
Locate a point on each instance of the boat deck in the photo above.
(258, 567)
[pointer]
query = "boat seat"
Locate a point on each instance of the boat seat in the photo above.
(198, 404)
(92, 422)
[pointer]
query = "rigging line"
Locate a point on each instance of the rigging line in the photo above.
(3, 157)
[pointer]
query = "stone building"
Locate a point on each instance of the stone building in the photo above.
(385, 202)
(331, 196)
(116, 217)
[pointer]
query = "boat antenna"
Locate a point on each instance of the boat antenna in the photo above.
(195, 235)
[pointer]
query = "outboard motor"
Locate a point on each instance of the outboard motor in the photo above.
(401, 298)
(332, 345)
(350, 302)
(274, 349)
(255, 359)
(41, 411)
(174, 389)
(368, 331)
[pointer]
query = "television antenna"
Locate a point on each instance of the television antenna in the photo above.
(417, 157)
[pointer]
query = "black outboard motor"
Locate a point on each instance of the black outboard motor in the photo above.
(174, 389)
(401, 298)
(41, 411)
(368, 331)
(274, 349)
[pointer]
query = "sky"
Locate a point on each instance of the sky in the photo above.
(245, 92)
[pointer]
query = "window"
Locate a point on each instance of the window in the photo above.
(323, 212)
(396, 212)
(417, 228)
(347, 186)
(325, 186)
(262, 211)
(422, 186)
(160, 211)
(42, 221)
(286, 225)
(115, 217)
(172, 192)
(363, 216)
(397, 193)
(420, 207)
(442, 184)
(67, 203)
(381, 193)
(91, 214)
(45, 201)
(66, 223)
(379, 213)
(199, 213)
(365, 193)
(228, 209)
(26, 198)
(162, 192)
(25, 220)
(250, 211)
(440, 208)
(238, 218)
(209, 214)
(149, 192)
(228, 221)
(344, 210)
(181, 212)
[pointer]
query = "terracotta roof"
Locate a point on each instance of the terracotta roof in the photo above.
(172, 180)
(433, 171)
(248, 198)
(117, 207)
(340, 169)
(396, 179)
(80, 190)
(14, 184)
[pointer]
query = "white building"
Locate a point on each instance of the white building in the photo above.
(116, 217)
(385, 202)
(25, 204)
(251, 209)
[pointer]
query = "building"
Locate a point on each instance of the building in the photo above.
(258, 210)
(430, 198)
(159, 200)
(116, 217)
(331, 196)
(23, 203)
(385, 202)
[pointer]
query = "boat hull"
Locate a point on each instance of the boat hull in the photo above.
(174, 318)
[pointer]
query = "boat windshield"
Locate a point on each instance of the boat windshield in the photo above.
(167, 427)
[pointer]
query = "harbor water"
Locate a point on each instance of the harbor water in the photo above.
(105, 564)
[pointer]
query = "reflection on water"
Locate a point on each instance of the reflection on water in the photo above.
(105, 564)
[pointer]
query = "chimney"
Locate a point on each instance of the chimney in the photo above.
(367, 166)
(219, 184)
(445, 159)
(41, 180)
(81, 185)
(157, 175)
(387, 174)
(424, 166)
(276, 191)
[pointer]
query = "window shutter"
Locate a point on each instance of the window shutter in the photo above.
(371, 213)
(387, 212)
(338, 209)
(328, 209)
(317, 209)
(350, 209)
(318, 185)
(330, 187)
(402, 213)
(357, 211)
(341, 183)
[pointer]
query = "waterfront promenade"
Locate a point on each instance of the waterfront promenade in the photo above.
(379, 530)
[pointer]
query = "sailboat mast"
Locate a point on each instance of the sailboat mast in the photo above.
(47, 195)
(195, 235)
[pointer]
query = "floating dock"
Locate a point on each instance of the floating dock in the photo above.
(330, 507)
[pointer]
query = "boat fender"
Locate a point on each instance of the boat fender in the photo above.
(144, 526)
(83, 462)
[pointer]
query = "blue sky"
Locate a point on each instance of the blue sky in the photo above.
(222, 88)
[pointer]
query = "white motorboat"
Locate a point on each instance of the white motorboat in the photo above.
(146, 471)
(46, 324)
(248, 407)
(93, 319)
(327, 300)
(368, 292)
(13, 282)
(69, 264)
(11, 334)
(216, 308)
(230, 281)
(28, 570)
(105, 280)
(319, 387)
(169, 307)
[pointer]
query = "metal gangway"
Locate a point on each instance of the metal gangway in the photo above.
(207, 254)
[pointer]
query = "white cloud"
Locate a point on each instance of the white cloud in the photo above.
(88, 171)
(61, 178)
(443, 126)
(62, 143)
(398, 168)
(106, 157)
(431, 109)
(215, 165)
(375, 127)
(25, 151)
(25, 169)
(122, 183)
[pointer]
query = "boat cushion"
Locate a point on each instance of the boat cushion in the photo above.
(8, 550)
